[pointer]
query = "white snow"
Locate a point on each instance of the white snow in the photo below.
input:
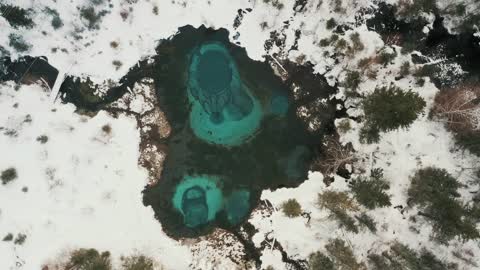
(84, 186)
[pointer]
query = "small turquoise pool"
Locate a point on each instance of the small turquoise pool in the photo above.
(199, 200)
(224, 111)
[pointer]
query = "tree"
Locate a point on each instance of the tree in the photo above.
(370, 192)
(89, 259)
(435, 192)
(400, 257)
(137, 262)
(8, 175)
(318, 261)
(339, 203)
(16, 16)
(291, 208)
(367, 221)
(389, 108)
(343, 256)
(333, 200)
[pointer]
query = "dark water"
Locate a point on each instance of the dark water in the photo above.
(212, 180)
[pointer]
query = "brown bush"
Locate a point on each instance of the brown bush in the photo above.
(459, 107)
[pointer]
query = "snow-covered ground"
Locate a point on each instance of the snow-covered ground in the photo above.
(84, 184)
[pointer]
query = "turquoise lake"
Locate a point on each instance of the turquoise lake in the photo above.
(234, 133)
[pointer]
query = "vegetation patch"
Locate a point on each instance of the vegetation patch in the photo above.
(89, 259)
(16, 16)
(56, 20)
(18, 43)
(137, 262)
(339, 204)
(20, 239)
(400, 256)
(387, 109)
(291, 208)
(371, 191)
(319, 261)
(43, 139)
(435, 192)
(343, 256)
(92, 17)
(366, 221)
(8, 175)
(459, 109)
(8, 237)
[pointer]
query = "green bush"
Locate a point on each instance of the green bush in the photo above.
(343, 256)
(56, 21)
(139, 262)
(92, 17)
(318, 261)
(469, 140)
(344, 220)
(405, 69)
(430, 184)
(8, 237)
(389, 108)
(435, 192)
(291, 208)
(20, 239)
(333, 200)
(331, 23)
(367, 222)
(370, 192)
(43, 139)
(352, 80)
(344, 126)
(357, 44)
(18, 43)
(385, 57)
(8, 175)
(400, 257)
(89, 259)
(339, 203)
(16, 16)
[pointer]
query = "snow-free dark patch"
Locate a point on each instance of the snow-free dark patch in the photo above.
(219, 159)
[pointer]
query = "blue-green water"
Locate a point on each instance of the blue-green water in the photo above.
(234, 133)
(237, 205)
(198, 199)
(223, 109)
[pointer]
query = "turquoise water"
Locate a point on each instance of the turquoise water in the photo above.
(198, 199)
(224, 111)
(234, 133)
(237, 206)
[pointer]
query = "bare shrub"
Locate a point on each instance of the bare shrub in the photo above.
(459, 107)
(334, 156)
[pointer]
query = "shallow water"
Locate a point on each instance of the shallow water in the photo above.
(234, 133)
(223, 109)
(198, 199)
